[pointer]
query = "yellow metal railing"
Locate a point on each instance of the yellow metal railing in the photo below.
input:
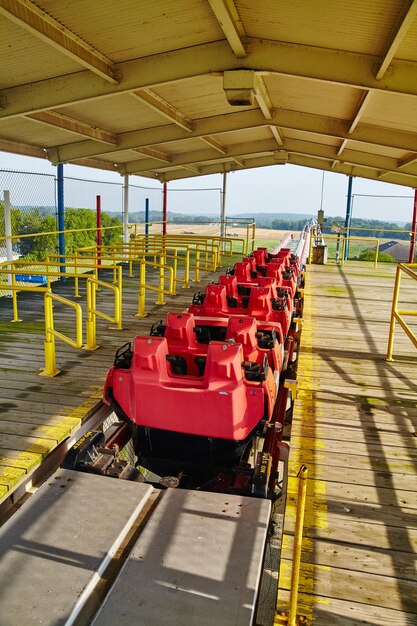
(341, 242)
(93, 312)
(291, 618)
(160, 289)
(410, 269)
(50, 332)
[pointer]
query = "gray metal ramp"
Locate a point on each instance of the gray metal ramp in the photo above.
(197, 562)
(53, 550)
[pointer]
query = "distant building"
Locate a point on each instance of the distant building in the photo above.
(399, 250)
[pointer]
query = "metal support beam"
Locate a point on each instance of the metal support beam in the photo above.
(215, 143)
(282, 118)
(309, 62)
(32, 18)
(262, 96)
(348, 216)
(61, 215)
(165, 208)
(192, 168)
(223, 210)
(229, 20)
(126, 208)
(277, 135)
(400, 30)
(160, 105)
(51, 118)
(407, 161)
(153, 153)
(294, 146)
(362, 106)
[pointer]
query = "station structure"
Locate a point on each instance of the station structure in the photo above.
(171, 90)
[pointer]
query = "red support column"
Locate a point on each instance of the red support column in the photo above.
(164, 209)
(413, 230)
(98, 234)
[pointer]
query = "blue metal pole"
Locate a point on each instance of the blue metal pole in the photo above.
(146, 216)
(348, 215)
(146, 222)
(61, 216)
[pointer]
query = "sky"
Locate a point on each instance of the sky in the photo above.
(274, 189)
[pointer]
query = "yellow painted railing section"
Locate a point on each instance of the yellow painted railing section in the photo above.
(341, 242)
(93, 312)
(50, 332)
(410, 270)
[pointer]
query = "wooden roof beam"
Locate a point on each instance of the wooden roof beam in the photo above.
(231, 24)
(51, 118)
(366, 96)
(33, 19)
(404, 22)
(160, 105)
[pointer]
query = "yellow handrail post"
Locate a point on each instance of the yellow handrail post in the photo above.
(393, 314)
(14, 298)
(49, 344)
(142, 291)
(175, 270)
(197, 264)
(161, 288)
(50, 332)
(376, 253)
(90, 325)
(187, 269)
(77, 293)
(298, 538)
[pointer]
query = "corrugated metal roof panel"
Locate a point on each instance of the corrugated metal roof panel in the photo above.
(35, 133)
(392, 111)
(128, 29)
(118, 114)
(354, 26)
(298, 94)
(26, 59)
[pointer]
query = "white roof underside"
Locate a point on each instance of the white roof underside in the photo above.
(136, 86)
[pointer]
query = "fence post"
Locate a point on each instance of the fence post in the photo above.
(8, 232)
(164, 209)
(126, 209)
(413, 230)
(348, 217)
(61, 217)
(98, 234)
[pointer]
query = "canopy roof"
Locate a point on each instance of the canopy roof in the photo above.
(170, 89)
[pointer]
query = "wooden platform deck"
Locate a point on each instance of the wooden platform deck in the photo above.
(38, 413)
(354, 426)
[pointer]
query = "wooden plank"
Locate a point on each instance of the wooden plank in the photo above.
(350, 585)
(10, 476)
(22, 460)
(350, 557)
(355, 434)
(369, 493)
(370, 449)
(389, 480)
(337, 462)
(37, 445)
(325, 611)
